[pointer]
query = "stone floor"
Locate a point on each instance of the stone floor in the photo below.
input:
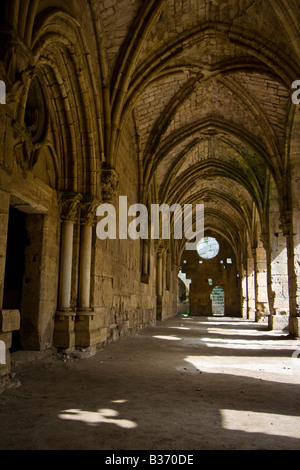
(185, 384)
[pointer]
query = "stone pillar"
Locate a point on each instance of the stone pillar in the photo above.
(85, 268)
(64, 330)
(66, 257)
(86, 332)
(293, 247)
(251, 277)
(278, 282)
(261, 283)
(245, 293)
(292, 220)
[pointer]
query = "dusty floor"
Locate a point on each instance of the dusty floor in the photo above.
(185, 384)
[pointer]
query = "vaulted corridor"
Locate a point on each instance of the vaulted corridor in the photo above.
(149, 168)
(186, 383)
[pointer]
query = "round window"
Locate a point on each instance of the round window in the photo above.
(208, 248)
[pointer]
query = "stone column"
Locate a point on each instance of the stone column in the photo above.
(66, 257)
(64, 330)
(278, 282)
(244, 285)
(261, 283)
(293, 220)
(86, 331)
(251, 277)
(293, 248)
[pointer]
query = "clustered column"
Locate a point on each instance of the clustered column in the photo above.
(64, 330)
(86, 329)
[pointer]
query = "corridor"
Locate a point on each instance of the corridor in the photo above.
(187, 383)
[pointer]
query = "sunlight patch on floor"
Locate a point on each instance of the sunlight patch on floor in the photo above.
(91, 418)
(266, 423)
(224, 332)
(286, 370)
(248, 344)
(168, 338)
(178, 328)
(227, 322)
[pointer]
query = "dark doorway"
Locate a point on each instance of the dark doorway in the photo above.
(15, 265)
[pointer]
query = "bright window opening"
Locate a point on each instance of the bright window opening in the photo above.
(208, 248)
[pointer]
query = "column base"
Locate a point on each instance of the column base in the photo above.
(278, 323)
(64, 330)
(294, 327)
(86, 332)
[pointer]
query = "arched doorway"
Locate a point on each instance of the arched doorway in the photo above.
(218, 301)
(213, 266)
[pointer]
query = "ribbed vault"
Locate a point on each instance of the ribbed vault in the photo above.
(211, 100)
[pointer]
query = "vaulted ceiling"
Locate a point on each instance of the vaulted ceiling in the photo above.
(207, 83)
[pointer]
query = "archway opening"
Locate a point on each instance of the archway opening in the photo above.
(218, 301)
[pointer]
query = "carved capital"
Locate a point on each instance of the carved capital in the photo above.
(110, 182)
(70, 204)
(88, 210)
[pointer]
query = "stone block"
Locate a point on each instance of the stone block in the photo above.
(84, 321)
(10, 320)
(64, 339)
(278, 323)
(86, 338)
(64, 330)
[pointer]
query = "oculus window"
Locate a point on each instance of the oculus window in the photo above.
(208, 248)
